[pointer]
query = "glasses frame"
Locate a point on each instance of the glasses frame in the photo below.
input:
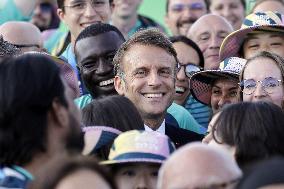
(241, 85)
(182, 7)
(80, 11)
(188, 64)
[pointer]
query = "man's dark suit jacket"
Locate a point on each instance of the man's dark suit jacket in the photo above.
(178, 135)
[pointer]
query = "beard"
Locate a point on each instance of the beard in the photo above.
(75, 136)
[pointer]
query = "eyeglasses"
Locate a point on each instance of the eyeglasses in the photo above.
(189, 69)
(269, 85)
(179, 7)
(79, 7)
(45, 7)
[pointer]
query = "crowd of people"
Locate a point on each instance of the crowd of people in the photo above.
(95, 95)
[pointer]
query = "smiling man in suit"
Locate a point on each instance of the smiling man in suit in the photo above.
(145, 68)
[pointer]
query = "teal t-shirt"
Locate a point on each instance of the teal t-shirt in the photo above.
(185, 119)
(82, 101)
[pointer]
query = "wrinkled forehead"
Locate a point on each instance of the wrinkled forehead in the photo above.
(139, 55)
(210, 23)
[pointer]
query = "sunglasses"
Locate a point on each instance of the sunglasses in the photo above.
(269, 85)
(179, 7)
(45, 7)
(189, 69)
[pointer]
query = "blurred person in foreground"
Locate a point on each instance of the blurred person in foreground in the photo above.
(38, 118)
(250, 131)
(267, 174)
(198, 165)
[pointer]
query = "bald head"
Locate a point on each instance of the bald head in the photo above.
(23, 34)
(208, 33)
(197, 165)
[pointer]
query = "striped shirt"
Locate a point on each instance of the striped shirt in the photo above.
(199, 111)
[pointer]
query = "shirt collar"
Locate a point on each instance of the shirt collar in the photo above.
(161, 129)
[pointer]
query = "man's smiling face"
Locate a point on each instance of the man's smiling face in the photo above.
(77, 18)
(148, 79)
(94, 57)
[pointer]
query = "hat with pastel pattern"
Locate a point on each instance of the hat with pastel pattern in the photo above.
(95, 137)
(201, 83)
(255, 22)
(140, 146)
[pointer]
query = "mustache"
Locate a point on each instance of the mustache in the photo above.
(188, 21)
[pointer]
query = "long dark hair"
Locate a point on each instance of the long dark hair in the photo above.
(113, 111)
(29, 84)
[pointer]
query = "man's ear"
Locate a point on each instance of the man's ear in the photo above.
(61, 14)
(59, 113)
(119, 85)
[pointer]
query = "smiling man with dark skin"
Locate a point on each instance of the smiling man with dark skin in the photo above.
(78, 15)
(95, 48)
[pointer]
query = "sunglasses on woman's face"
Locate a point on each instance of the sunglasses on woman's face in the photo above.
(45, 7)
(189, 69)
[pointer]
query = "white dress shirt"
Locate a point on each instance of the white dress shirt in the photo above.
(161, 129)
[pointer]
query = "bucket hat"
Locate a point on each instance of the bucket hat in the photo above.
(255, 22)
(95, 137)
(201, 83)
(140, 146)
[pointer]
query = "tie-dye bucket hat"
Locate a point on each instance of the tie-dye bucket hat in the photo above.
(95, 137)
(201, 82)
(255, 22)
(140, 146)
